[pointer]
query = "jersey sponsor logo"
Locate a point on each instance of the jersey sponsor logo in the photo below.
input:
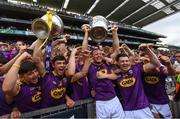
(37, 97)
(127, 82)
(58, 93)
(151, 79)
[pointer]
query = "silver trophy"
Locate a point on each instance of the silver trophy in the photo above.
(41, 27)
(98, 28)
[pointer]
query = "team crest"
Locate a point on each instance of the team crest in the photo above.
(151, 79)
(60, 83)
(64, 80)
(127, 82)
(58, 93)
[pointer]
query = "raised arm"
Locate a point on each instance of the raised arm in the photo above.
(127, 49)
(10, 86)
(38, 57)
(85, 29)
(72, 64)
(7, 66)
(154, 62)
(84, 70)
(115, 38)
(33, 45)
(165, 60)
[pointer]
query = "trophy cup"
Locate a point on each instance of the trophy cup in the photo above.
(98, 28)
(48, 26)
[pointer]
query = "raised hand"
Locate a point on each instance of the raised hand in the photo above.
(85, 28)
(150, 45)
(143, 47)
(86, 53)
(124, 46)
(114, 28)
(75, 50)
(122, 50)
(66, 37)
(165, 60)
(24, 56)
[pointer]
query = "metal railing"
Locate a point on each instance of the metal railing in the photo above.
(82, 109)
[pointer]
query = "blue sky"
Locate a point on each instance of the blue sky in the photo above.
(169, 26)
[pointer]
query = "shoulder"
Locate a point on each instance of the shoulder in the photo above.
(137, 66)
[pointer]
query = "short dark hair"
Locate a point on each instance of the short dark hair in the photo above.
(121, 55)
(95, 49)
(58, 57)
(26, 66)
(176, 52)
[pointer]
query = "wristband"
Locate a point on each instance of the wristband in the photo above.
(16, 65)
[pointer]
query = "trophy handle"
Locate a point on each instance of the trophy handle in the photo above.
(109, 28)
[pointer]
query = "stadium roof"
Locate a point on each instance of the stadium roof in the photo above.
(132, 12)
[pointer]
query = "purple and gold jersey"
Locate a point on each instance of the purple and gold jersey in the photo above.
(13, 54)
(53, 90)
(9, 54)
(154, 86)
(29, 97)
(103, 88)
(131, 89)
(6, 54)
(4, 107)
(81, 87)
